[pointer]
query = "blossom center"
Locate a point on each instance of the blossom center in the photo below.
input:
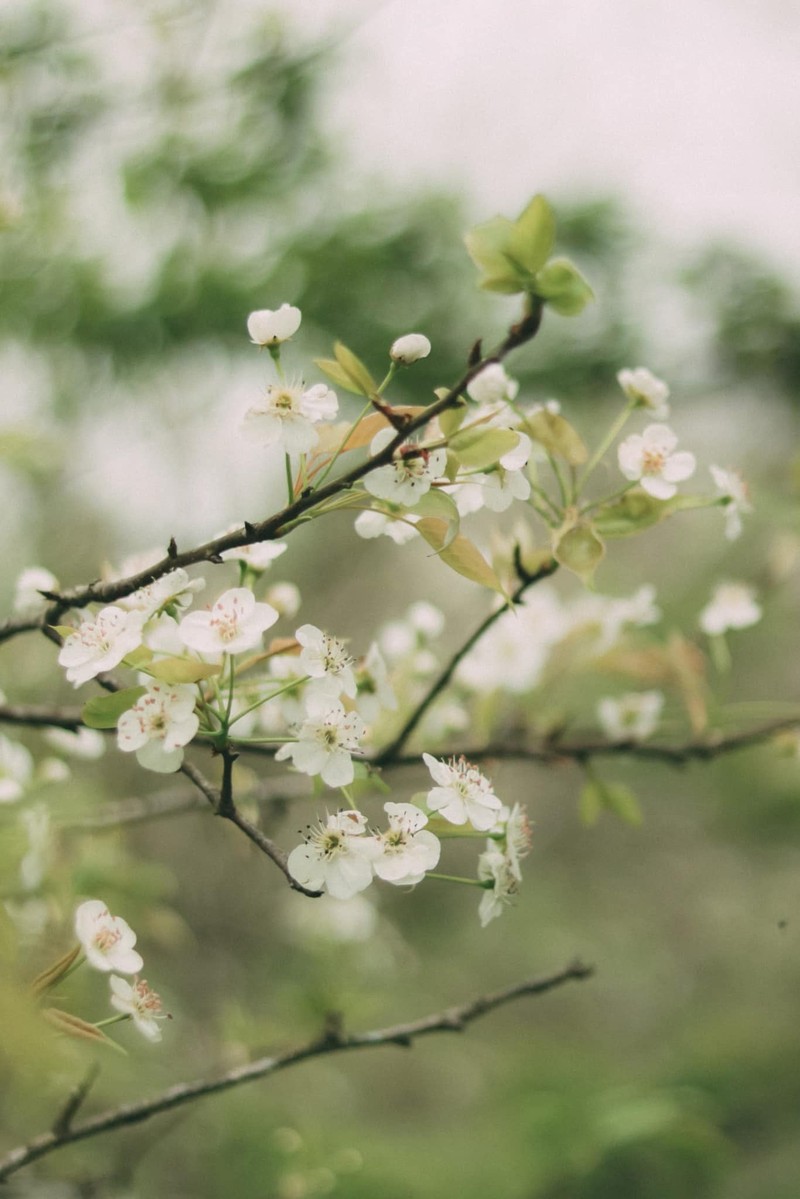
(653, 462)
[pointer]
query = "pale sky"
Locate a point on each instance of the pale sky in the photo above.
(689, 107)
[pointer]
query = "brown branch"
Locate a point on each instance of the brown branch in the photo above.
(333, 1040)
(390, 752)
(282, 522)
(550, 752)
(38, 716)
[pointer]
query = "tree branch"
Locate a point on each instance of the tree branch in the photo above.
(333, 1040)
(279, 524)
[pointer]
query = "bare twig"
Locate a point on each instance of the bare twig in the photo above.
(390, 752)
(333, 1040)
(39, 716)
(63, 1121)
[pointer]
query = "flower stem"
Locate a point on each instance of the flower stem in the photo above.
(454, 878)
(613, 432)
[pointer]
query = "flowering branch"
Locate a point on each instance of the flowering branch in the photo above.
(333, 1040)
(282, 522)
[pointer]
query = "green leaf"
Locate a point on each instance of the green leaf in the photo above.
(480, 447)
(598, 796)
(49, 977)
(622, 802)
(557, 436)
(64, 630)
(563, 287)
(636, 510)
(438, 503)
(580, 550)
(460, 555)
(104, 711)
(450, 420)
(337, 375)
(354, 368)
(590, 804)
(138, 658)
(183, 670)
(511, 252)
(73, 1026)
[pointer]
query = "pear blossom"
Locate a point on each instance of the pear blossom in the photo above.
(733, 487)
(101, 644)
(517, 838)
(502, 487)
(492, 384)
(107, 940)
(631, 717)
(463, 794)
(732, 606)
(496, 868)
(84, 743)
(257, 557)
(28, 602)
(374, 524)
(336, 856)
(158, 726)
(284, 598)
(267, 327)
(648, 458)
(234, 624)
(325, 741)
(409, 476)
(408, 849)
(286, 416)
(327, 661)
(139, 1001)
(173, 589)
(426, 618)
(375, 691)
(645, 390)
(410, 348)
(16, 770)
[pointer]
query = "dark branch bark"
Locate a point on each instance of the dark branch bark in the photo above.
(453, 1019)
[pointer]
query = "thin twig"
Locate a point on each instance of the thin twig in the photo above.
(333, 1040)
(63, 1121)
(391, 751)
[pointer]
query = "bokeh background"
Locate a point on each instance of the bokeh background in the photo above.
(166, 169)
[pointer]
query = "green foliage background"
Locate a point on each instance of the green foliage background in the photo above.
(144, 214)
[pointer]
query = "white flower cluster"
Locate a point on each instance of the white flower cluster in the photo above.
(342, 855)
(108, 944)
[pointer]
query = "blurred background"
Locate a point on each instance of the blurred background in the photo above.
(170, 167)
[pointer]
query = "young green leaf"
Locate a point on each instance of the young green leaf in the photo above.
(563, 287)
(580, 550)
(183, 670)
(104, 711)
(480, 447)
(460, 554)
(557, 436)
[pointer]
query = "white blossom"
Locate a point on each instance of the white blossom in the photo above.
(86, 744)
(408, 849)
(284, 598)
(325, 741)
(631, 717)
(645, 390)
(257, 557)
(410, 473)
(234, 624)
(426, 618)
(733, 487)
(173, 589)
(518, 838)
(267, 327)
(375, 691)
(286, 416)
(375, 524)
(28, 603)
(410, 348)
(495, 867)
(648, 458)
(336, 856)
(100, 644)
(107, 940)
(492, 384)
(139, 1001)
(16, 770)
(326, 660)
(732, 606)
(158, 726)
(463, 794)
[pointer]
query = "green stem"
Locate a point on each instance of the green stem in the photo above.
(346, 438)
(616, 428)
(289, 479)
(113, 1020)
(266, 698)
(454, 878)
(390, 374)
(275, 355)
(562, 482)
(608, 499)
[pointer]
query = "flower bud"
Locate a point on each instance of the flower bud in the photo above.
(410, 348)
(268, 328)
